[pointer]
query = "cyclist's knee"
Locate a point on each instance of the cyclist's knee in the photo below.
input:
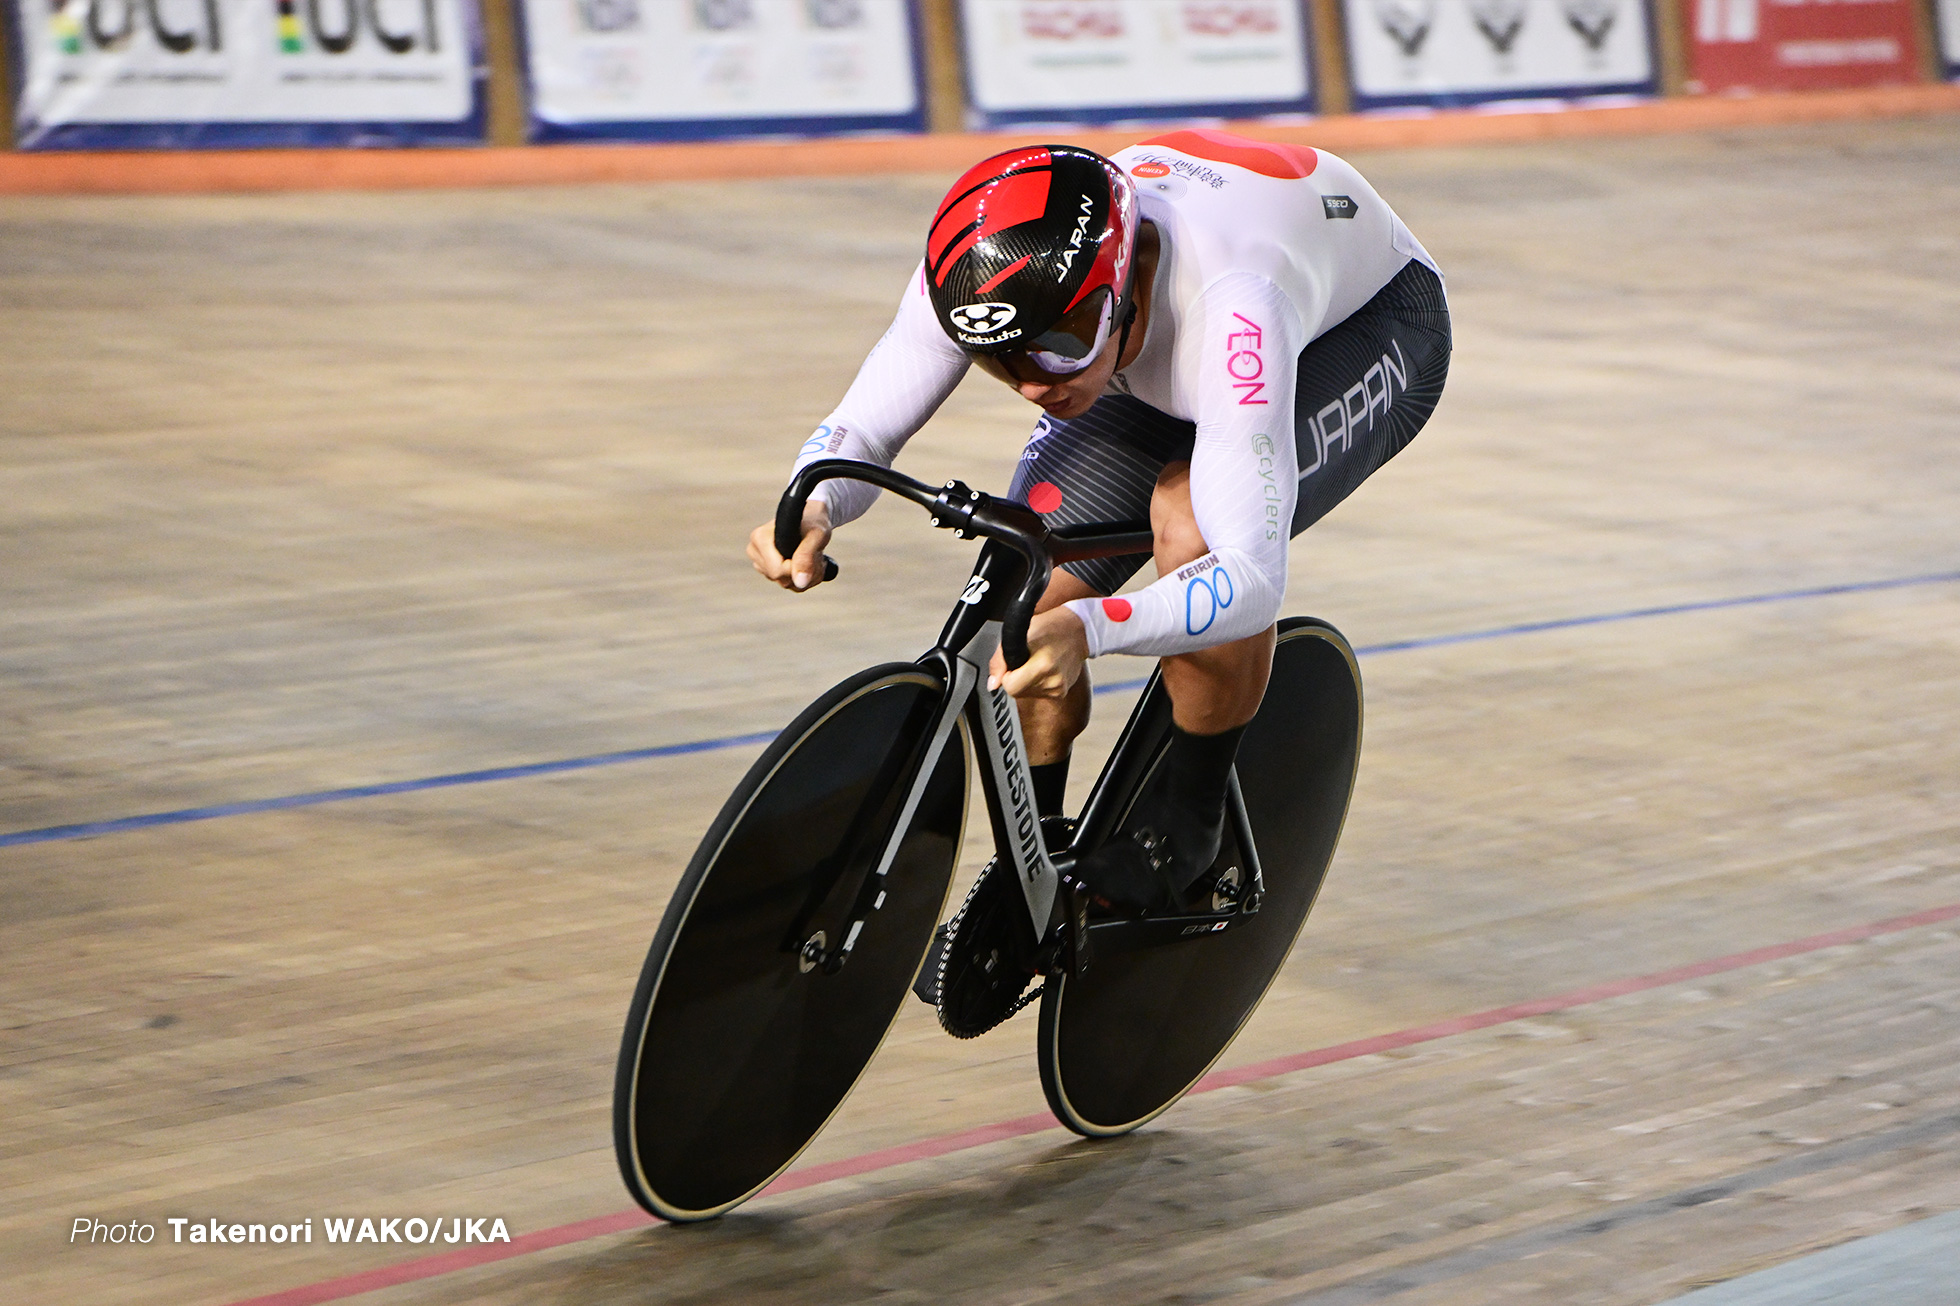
(1063, 587)
(1049, 726)
(1172, 522)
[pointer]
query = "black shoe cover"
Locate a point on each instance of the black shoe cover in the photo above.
(1148, 870)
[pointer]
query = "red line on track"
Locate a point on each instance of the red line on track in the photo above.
(429, 1267)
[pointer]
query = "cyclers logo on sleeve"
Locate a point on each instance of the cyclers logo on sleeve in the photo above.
(1269, 486)
(1208, 591)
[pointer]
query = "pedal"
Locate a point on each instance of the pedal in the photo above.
(1228, 888)
(925, 985)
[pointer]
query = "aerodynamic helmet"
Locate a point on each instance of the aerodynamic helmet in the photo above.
(1031, 254)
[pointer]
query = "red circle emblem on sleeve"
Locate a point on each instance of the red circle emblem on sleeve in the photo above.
(1045, 497)
(1116, 609)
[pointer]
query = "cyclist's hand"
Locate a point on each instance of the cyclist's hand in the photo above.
(1057, 648)
(804, 569)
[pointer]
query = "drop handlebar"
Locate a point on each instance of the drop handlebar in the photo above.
(970, 514)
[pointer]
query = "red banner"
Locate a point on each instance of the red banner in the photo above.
(1796, 45)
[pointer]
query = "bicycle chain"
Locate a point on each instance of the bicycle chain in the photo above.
(945, 958)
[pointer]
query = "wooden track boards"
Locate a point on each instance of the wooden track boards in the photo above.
(305, 492)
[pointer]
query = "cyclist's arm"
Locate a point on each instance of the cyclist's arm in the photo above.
(1244, 480)
(904, 379)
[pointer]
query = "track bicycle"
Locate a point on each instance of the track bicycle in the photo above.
(813, 903)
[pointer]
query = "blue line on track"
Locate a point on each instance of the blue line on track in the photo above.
(90, 829)
(1669, 610)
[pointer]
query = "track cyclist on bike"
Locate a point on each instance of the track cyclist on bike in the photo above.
(1225, 336)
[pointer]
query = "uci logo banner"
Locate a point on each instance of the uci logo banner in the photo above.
(121, 74)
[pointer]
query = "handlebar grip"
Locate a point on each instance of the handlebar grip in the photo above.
(1014, 645)
(789, 524)
(789, 534)
(1019, 612)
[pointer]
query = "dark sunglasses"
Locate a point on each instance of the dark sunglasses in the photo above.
(1064, 349)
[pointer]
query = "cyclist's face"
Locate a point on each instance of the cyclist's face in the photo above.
(1058, 396)
(1060, 387)
(1068, 394)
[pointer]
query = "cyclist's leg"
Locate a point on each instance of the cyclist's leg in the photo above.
(1364, 391)
(1100, 467)
(1049, 726)
(1367, 387)
(1218, 688)
(1174, 835)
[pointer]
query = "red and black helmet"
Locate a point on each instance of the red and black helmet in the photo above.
(1031, 251)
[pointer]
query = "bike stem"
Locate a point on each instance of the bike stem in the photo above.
(969, 514)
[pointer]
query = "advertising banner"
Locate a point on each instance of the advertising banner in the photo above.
(1948, 17)
(1796, 45)
(1449, 52)
(176, 74)
(700, 69)
(1121, 60)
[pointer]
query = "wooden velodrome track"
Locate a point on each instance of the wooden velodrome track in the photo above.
(299, 493)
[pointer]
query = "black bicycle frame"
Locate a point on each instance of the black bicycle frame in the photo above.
(993, 611)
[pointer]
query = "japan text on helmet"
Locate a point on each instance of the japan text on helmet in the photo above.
(1031, 252)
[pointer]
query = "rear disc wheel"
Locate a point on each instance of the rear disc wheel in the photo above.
(1123, 1041)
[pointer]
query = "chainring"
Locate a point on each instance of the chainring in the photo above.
(985, 966)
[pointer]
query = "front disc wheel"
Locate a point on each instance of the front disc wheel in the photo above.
(743, 1036)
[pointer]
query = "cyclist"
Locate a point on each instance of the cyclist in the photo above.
(1224, 335)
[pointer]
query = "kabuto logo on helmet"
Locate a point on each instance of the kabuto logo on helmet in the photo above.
(1064, 216)
(982, 319)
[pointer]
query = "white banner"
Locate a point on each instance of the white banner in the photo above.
(1105, 60)
(646, 67)
(1445, 51)
(191, 72)
(1949, 15)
